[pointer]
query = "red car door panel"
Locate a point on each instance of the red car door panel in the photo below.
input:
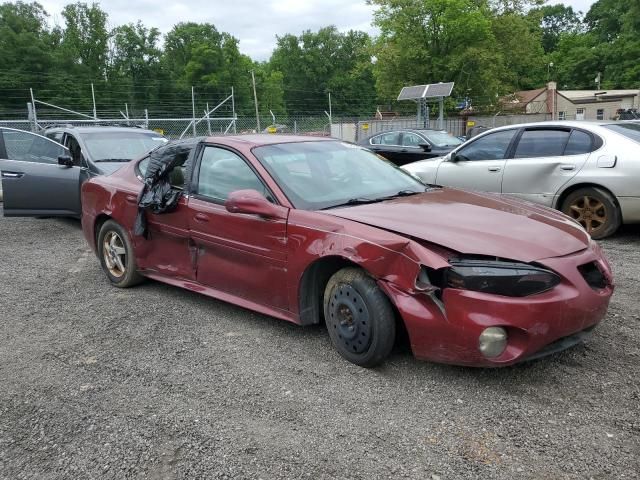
(244, 255)
(168, 249)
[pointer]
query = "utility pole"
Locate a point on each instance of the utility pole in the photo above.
(255, 99)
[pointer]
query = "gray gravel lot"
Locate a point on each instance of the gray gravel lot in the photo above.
(158, 382)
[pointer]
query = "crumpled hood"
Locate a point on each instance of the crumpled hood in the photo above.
(475, 223)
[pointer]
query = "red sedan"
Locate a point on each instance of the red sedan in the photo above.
(316, 230)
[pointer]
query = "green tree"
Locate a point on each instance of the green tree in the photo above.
(316, 63)
(556, 20)
(25, 52)
(428, 41)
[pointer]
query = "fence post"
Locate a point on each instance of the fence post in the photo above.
(35, 113)
(146, 118)
(193, 105)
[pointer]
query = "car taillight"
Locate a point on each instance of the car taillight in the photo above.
(499, 278)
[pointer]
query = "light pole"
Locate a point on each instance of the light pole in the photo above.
(549, 66)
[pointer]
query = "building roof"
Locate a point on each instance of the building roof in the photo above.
(594, 95)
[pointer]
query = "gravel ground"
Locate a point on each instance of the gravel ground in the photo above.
(158, 382)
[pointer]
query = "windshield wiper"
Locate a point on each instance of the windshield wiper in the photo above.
(356, 201)
(113, 160)
(364, 201)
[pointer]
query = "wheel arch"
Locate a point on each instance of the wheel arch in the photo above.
(572, 188)
(97, 225)
(314, 281)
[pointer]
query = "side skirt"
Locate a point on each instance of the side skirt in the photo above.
(224, 296)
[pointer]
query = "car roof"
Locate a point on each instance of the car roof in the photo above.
(562, 123)
(94, 129)
(260, 139)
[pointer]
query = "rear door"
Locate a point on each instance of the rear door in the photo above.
(479, 164)
(33, 183)
(544, 159)
(388, 145)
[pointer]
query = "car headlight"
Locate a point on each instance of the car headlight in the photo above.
(500, 278)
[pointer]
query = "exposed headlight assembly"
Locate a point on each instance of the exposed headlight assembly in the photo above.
(500, 278)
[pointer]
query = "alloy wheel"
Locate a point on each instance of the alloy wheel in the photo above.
(115, 254)
(590, 212)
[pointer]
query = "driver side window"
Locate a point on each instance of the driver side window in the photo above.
(28, 147)
(493, 146)
(222, 172)
(411, 140)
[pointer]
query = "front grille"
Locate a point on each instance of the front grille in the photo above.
(593, 275)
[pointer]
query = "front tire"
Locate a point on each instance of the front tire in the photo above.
(116, 255)
(595, 209)
(359, 318)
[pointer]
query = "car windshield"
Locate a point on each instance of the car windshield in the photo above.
(120, 145)
(441, 139)
(320, 175)
(629, 130)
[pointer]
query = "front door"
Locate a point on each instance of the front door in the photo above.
(478, 165)
(33, 183)
(244, 255)
(544, 159)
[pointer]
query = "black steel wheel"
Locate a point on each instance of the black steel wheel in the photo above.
(359, 318)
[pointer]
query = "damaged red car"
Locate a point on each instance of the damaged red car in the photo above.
(317, 230)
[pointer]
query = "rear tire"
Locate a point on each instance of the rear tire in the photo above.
(595, 209)
(117, 256)
(359, 318)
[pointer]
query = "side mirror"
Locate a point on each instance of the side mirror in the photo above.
(65, 161)
(453, 158)
(252, 202)
(425, 146)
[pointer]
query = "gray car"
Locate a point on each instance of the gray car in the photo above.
(23, 146)
(589, 170)
(49, 185)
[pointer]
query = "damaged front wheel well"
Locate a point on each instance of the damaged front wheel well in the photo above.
(312, 285)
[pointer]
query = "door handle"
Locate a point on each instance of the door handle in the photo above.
(201, 217)
(131, 199)
(12, 175)
(404, 150)
(567, 167)
(494, 169)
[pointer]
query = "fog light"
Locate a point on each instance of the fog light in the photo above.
(492, 341)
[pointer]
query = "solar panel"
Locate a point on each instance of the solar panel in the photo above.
(439, 90)
(412, 93)
(426, 91)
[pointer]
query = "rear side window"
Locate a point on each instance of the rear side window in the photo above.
(542, 143)
(392, 138)
(579, 142)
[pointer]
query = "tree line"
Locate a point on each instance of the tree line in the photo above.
(489, 48)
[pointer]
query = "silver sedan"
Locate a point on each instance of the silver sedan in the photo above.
(589, 170)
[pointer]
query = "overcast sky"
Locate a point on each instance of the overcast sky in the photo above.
(255, 22)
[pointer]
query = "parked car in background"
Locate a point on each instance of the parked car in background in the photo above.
(31, 148)
(589, 170)
(37, 187)
(410, 145)
(318, 230)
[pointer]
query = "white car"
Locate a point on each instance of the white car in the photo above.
(589, 170)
